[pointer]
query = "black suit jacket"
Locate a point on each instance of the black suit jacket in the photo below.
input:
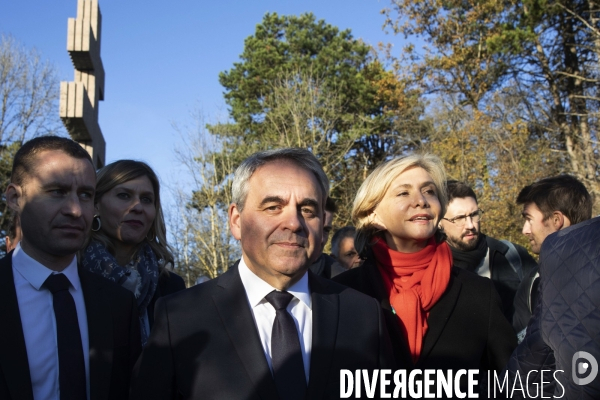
(168, 283)
(506, 280)
(205, 344)
(113, 332)
(466, 327)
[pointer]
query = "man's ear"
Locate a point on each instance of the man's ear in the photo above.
(13, 197)
(235, 224)
(559, 220)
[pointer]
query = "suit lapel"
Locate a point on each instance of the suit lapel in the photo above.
(100, 335)
(13, 352)
(232, 304)
(439, 316)
(400, 345)
(325, 316)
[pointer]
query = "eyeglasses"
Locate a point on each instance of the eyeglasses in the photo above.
(460, 220)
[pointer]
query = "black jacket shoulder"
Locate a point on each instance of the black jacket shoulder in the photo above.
(168, 283)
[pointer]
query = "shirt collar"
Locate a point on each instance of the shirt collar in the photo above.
(36, 273)
(257, 289)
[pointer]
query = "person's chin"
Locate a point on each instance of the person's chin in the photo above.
(424, 234)
(293, 270)
(67, 247)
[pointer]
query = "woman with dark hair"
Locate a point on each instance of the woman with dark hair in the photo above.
(129, 242)
(438, 316)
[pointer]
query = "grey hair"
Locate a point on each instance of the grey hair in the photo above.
(301, 157)
(339, 235)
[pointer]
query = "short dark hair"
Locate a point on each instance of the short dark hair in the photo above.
(563, 193)
(24, 161)
(12, 226)
(342, 233)
(459, 190)
(330, 205)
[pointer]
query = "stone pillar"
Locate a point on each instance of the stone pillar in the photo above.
(79, 99)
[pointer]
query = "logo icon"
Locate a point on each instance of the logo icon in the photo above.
(584, 363)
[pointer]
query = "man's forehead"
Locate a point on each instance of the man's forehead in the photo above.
(271, 168)
(56, 164)
(531, 208)
(462, 204)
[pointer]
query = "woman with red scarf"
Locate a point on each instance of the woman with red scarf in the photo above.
(438, 316)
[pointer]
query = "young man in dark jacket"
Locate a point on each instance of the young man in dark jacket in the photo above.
(560, 353)
(549, 205)
(502, 261)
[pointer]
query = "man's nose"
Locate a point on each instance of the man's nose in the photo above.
(293, 219)
(526, 228)
(73, 205)
(469, 224)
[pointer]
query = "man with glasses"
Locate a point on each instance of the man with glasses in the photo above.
(502, 261)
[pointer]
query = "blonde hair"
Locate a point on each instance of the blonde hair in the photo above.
(374, 188)
(123, 171)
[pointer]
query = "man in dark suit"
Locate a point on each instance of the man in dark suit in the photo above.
(66, 333)
(222, 339)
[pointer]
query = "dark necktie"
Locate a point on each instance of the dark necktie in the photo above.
(71, 366)
(286, 354)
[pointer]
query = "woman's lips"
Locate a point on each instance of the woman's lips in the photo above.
(421, 218)
(134, 222)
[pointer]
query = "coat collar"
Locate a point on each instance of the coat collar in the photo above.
(100, 328)
(325, 306)
(439, 314)
(232, 304)
(13, 352)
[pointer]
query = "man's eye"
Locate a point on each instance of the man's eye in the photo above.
(86, 195)
(460, 219)
(307, 211)
(58, 192)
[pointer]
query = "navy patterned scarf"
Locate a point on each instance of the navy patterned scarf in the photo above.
(140, 276)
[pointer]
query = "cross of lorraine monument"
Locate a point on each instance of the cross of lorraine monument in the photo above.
(79, 99)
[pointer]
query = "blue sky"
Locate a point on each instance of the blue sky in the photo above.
(162, 59)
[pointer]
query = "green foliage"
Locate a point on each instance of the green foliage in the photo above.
(518, 81)
(301, 82)
(7, 155)
(284, 44)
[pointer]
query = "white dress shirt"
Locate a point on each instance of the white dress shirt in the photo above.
(39, 325)
(264, 314)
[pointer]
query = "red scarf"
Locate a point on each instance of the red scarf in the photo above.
(415, 282)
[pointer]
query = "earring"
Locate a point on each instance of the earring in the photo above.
(96, 223)
(150, 236)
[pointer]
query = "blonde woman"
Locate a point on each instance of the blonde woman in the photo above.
(439, 317)
(129, 244)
